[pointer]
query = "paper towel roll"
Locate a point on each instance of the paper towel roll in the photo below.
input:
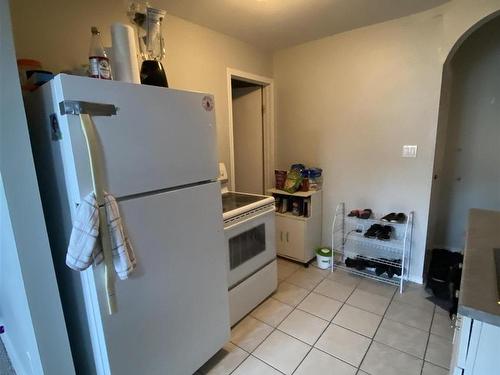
(125, 66)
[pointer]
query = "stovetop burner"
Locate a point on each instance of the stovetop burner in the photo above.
(232, 201)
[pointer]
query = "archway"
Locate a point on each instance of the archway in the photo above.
(466, 166)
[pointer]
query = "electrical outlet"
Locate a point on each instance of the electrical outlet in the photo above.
(409, 151)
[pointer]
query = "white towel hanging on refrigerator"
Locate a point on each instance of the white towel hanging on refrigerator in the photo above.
(85, 248)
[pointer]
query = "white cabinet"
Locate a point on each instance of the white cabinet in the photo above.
(476, 348)
(290, 237)
(298, 236)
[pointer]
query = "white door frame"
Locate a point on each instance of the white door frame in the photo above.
(268, 122)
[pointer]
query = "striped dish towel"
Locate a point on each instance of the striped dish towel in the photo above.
(85, 247)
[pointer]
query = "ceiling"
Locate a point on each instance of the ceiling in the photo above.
(276, 24)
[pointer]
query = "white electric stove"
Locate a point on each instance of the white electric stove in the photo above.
(251, 262)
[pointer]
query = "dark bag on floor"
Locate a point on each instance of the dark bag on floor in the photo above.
(443, 271)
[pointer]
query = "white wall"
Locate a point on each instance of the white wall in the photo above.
(469, 172)
(19, 338)
(57, 33)
(347, 103)
(30, 308)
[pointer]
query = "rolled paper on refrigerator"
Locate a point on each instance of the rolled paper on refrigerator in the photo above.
(124, 58)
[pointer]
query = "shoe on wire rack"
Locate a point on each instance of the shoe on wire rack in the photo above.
(385, 233)
(354, 213)
(389, 217)
(373, 231)
(399, 218)
(365, 214)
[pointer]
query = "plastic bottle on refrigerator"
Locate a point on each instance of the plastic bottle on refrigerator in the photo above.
(99, 66)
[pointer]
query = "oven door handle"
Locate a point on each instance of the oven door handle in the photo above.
(250, 218)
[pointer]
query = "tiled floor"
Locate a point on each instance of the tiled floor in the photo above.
(319, 322)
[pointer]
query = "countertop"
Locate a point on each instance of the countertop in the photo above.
(478, 290)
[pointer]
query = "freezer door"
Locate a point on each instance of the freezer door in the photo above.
(173, 311)
(160, 138)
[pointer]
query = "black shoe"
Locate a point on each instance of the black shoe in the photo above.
(399, 218)
(373, 231)
(351, 263)
(389, 217)
(390, 272)
(361, 264)
(385, 233)
(396, 270)
(380, 269)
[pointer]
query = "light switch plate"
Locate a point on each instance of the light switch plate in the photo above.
(409, 151)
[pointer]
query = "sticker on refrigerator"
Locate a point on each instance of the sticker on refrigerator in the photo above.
(208, 103)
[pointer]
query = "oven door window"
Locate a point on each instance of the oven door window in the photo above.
(246, 245)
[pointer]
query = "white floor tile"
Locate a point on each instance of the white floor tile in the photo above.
(409, 315)
(439, 351)
(286, 268)
(315, 269)
(384, 360)
(442, 311)
(282, 352)
(430, 369)
(321, 363)
(272, 312)
(334, 290)
(402, 337)
(441, 326)
(290, 294)
(305, 279)
(249, 333)
(368, 301)
(303, 326)
(344, 344)
(415, 295)
(321, 306)
(345, 278)
(254, 366)
(357, 320)
(376, 287)
(225, 361)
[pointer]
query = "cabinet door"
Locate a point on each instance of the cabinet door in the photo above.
(281, 235)
(294, 239)
(461, 336)
(485, 355)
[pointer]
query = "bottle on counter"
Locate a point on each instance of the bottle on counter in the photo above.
(99, 66)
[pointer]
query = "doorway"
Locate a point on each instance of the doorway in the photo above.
(251, 132)
(248, 137)
(466, 172)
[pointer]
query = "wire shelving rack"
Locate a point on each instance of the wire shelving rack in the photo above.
(348, 241)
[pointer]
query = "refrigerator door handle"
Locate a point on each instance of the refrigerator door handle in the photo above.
(89, 131)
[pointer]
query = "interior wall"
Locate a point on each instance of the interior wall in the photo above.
(57, 33)
(35, 334)
(349, 102)
(469, 171)
(19, 338)
(248, 140)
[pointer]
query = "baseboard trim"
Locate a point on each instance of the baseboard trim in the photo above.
(416, 279)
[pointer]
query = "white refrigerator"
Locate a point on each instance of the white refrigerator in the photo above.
(160, 163)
